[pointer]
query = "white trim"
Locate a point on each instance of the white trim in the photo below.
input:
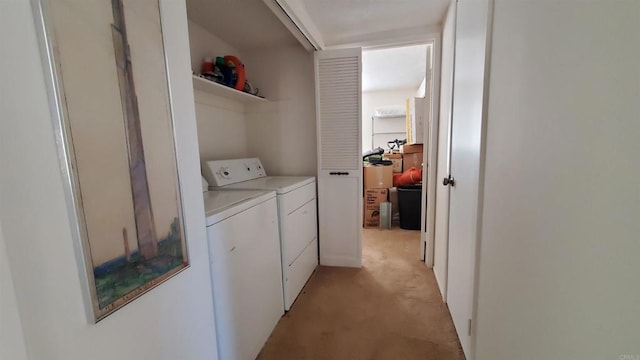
(388, 39)
(427, 223)
(431, 172)
(53, 83)
(298, 22)
(341, 261)
(297, 12)
(435, 40)
(338, 53)
(481, 178)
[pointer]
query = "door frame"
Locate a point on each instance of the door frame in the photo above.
(429, 172)
(481, 177)
(433, 39)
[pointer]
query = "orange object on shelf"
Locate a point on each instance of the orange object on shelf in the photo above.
(239, 68)
(409, 177)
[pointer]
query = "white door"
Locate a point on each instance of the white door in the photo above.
(339, 122)
(466, 153)
(441, 231)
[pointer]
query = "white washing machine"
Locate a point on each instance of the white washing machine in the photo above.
(246, 271)
(296, 213)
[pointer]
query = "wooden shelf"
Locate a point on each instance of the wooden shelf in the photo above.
(214, 88)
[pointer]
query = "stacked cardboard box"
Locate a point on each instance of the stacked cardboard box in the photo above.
(411, 156)
(396, 158)
(372, 200)
(378, 176)
(377, 180)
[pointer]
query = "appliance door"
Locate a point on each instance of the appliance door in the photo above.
(247, 279)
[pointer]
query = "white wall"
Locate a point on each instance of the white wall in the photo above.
(283, 132)
(221, 122)
(221, 127)
(203, 43)
(558, 275)
(422, 89)
(11, 335)
(174, 320)
(373, 99)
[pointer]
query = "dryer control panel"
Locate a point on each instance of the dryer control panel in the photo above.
(226, 172)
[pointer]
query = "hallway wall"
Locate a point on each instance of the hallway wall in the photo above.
(11, 335)
(172, 321)
(558, 273)
(373, 99)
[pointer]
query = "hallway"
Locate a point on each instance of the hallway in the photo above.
(389, 309)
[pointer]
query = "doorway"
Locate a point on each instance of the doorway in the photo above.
(397, 88)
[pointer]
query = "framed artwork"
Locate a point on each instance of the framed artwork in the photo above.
(110, 97)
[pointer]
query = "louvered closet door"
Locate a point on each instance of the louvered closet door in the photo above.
(339, 117)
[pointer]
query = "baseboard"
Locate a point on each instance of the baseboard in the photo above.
(441, 286)
(340, 261)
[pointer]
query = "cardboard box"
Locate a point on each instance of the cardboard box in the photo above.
(397, 161)
(372, 200)
(411, 156)
(378, 177)
(411, 160)
(411, 148)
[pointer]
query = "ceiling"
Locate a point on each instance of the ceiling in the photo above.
(247, 24)
(341, 22)
(251, 24)
(374, 23)
(394, 68)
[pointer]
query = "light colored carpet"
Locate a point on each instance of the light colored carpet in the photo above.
(389, 309)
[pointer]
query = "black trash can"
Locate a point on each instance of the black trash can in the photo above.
(409, 204)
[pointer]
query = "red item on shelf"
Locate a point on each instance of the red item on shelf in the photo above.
(239, 70)
(207, 65)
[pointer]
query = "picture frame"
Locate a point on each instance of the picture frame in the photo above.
(107, 78)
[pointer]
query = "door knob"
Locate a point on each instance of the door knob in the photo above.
(449, 181)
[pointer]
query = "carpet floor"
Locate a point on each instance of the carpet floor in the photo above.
(388, 309)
